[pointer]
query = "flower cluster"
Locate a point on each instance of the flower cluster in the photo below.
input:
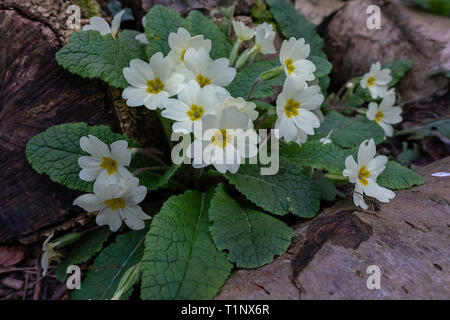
(298, 105)
(364, 173)
(116, 191)
(384, 114)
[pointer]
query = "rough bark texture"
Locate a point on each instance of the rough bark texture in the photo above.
(405, 33)
(408, 239)
(35, 93)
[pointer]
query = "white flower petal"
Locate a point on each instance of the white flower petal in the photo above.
(98, 24)
(366, 152)
(89, 202)
(110, 218)
(94, 146)
(121, 153)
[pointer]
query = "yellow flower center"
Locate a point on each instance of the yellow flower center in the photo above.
(221, 138)
(363, 174)
(195, 112)
(378, 116)
(371, 81)
(109, 164)
(115, 203)
(155, 86)
(291, 108)
(203, 81)
(182, 55)
(290, 67)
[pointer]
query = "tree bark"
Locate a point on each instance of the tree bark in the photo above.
(405, 33)
(36, 93)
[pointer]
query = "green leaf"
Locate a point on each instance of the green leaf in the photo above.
(398, 70)
(245, 77)
(199, 24)
(252, 238)
(160, 21)
(56, 151)
(314, 153)
(153, 180)
(349, 132)
(426, 129)
(396, 176)
(327, 189)
(323, 66)
(92, 55)
(358, 98)
(108, 268)
(181, 260)
(83, 250)
(137, 49)
(287, 191)
(294, 24)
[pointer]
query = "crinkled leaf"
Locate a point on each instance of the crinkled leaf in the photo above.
(245, 77)
(181, 260)
(128, 37)
(396, 176)
(108, 268)
(160, 21)
(92, 55)
(398, 70)
(252, 238)
(287, 191)
(323, 66)
(154, 180)
(56, 151)
(199, 24)
(349, 132)
(327, 189)
(314, 153)
(83, 250)
(358, 98)
(294, 24)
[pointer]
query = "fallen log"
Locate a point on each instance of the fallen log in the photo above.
(36, 93)
(330, 255)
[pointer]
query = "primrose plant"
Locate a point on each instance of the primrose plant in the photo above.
(236, 109)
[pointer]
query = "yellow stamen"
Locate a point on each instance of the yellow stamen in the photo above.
(378, 116)
(291, 108)
(195, 113)
(371, 81)
(221, 138)
(155, 86)
(290, 67)
(363, 174)
(109, 164)
(115, 203)
(203, 81)
(182, 55)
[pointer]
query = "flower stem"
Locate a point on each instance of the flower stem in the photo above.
(252, 88)
(234, 51)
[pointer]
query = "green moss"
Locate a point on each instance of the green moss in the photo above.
(89, 8)
(260, 13)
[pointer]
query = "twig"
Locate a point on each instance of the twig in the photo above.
(37, 288)
(25, 287)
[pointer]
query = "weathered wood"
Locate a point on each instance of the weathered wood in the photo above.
(36, 93)
(408, 239)
(405, 33)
